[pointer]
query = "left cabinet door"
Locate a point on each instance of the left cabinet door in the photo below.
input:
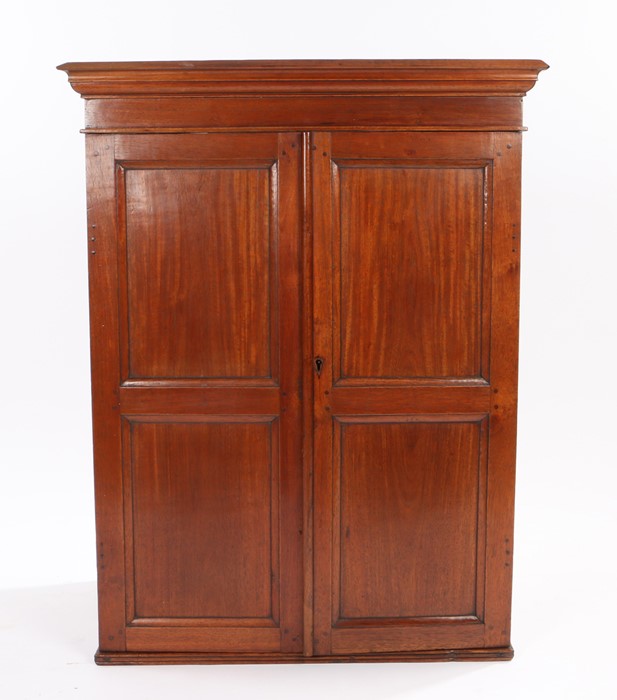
(194, 247)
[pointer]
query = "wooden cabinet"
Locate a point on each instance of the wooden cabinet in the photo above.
(304, 320)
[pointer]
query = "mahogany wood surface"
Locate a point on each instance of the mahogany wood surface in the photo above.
(304, 328)
(301, 112)
(420, 313)
(382, 77)
(406, 503)
(185, 658)
(214, 477)
(198, 272)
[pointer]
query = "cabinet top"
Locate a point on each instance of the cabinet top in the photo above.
(315, 77)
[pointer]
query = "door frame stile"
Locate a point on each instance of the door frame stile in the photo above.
(322, 336)
(289, 203)
(307, 390)
(105, 371)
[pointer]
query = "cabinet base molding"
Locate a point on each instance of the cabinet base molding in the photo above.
(131, 658)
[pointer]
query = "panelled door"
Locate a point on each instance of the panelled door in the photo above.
(196, 288)
(295, 462)
(415, 306)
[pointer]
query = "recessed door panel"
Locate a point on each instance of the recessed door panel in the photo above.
(200, 267)
(204, 512)
(408, 518)
(410, 239)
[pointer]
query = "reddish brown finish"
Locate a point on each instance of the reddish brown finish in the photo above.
(157, 254)
(454, 333)
(504, 379)
(198, 270)
(184, 658)
(219, 479)
(296, 113)
(307, 390)
(414, 232)
(106, 424)
(251, 505)
(405, 512)
(259, 95)
(399, 77)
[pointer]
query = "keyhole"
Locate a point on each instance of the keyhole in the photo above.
(318, 365)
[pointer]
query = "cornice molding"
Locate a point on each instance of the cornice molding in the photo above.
(317, 77)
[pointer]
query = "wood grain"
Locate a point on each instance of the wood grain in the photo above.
(410, 244)
(289, 285)
(322, 284)
(204, 499)
(421, 656)
(198, 271)
(299, 112)
(504, 379)
(207, 337)
(398, 77)
(405, 318)
(407, 526)
(105, 370)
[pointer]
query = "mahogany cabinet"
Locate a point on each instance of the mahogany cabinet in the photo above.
(304, 325)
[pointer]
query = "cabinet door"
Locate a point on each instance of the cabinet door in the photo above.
(195, 283)
(415, 294)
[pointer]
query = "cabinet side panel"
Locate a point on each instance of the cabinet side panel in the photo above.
(102, 253)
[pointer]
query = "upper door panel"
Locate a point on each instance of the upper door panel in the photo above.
(198, 262)
(410, 237)
(411, 229)
(198, 246)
